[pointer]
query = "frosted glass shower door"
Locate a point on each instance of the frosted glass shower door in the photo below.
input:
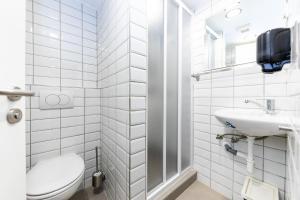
(172, 91)
(186, 141)
(155, 93)
(169, 93)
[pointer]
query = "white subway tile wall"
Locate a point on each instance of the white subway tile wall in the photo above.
(293, 89)
(293, 154)
(113, 72)
(122, 72)
(102, 58)
(138, 91)
(228, 89)
(61, 55)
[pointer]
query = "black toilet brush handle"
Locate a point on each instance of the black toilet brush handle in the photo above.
(96, 149)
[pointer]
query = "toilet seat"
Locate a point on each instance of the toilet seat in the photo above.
(56, 193)
(49, 178)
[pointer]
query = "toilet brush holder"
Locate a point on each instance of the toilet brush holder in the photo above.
(98, 176)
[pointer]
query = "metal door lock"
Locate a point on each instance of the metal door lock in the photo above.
(14, 115)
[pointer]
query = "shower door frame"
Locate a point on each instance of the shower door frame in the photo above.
(165, 182)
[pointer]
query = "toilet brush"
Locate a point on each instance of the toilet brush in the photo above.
(98, 176)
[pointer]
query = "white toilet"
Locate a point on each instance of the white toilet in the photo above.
(55, 178)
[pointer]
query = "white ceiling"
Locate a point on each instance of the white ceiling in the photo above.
(196, 4)
(192, 4)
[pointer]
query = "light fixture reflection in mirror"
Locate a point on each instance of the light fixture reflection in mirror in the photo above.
(233, 12)
(238, 23)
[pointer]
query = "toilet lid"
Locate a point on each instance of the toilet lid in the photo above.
(53, 174)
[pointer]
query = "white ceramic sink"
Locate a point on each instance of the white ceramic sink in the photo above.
(253, 122)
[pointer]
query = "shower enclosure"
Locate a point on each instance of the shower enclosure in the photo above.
(169, 92)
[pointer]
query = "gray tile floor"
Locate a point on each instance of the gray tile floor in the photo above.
(88, 194)
(199, 191)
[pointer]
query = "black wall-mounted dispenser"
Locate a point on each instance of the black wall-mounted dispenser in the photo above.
(274, 49)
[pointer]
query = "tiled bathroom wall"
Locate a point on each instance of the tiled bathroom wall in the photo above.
(293, 161)
(138, 94)
(218, 169)
(228, 89)
(61, 55)
(293, 145)
(122, 65)
(102, 59)
(113, 67)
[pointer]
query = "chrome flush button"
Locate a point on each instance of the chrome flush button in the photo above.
(14, 115)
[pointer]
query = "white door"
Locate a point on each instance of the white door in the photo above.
(12, 73)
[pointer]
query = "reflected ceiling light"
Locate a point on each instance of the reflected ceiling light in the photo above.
(233, 12)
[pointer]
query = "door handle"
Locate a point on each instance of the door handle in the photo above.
(16, 94)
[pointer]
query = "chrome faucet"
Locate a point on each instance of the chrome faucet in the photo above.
(269, 108)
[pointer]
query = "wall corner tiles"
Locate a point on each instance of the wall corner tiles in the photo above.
(122, 72)
(138, 91)
(113, 81)
(293, 91)
(61, 55)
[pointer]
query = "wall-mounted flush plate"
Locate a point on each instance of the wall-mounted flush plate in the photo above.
(56, 100)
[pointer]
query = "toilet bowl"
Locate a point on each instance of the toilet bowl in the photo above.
(56, 178)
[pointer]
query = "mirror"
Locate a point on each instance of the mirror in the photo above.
(231, 33)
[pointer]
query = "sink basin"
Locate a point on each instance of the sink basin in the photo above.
(253, 123)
